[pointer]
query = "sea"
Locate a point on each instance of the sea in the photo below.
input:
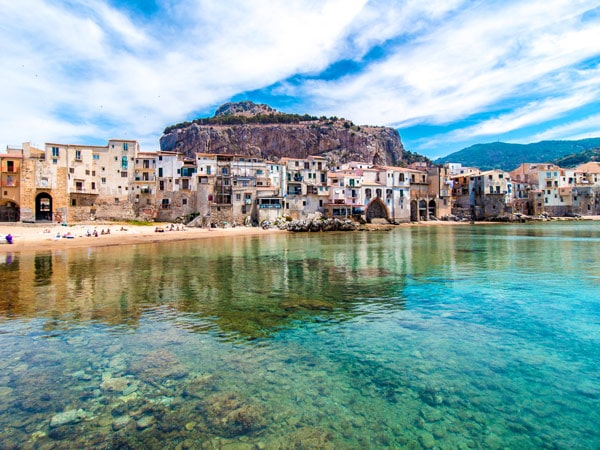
(420, 337)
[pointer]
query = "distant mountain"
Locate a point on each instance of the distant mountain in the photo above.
(500, 155)
(576, 159)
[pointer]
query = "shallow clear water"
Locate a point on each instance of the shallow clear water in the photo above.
(421, 337)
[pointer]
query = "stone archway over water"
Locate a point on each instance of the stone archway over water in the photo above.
(376, 210)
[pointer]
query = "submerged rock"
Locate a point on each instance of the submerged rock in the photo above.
(68, 417)
(157, 366)
(230, 415)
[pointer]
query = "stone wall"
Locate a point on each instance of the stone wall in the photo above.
(219, 214)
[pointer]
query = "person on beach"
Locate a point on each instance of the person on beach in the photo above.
(9, 238)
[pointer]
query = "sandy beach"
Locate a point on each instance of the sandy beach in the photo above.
(33, 237)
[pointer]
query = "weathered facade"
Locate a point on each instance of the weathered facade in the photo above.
(69, 183)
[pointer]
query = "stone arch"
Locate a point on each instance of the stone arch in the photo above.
(414, 211)
(9, 211)
(377, 210)
(43, 207)
(432, 208)
(422, 210)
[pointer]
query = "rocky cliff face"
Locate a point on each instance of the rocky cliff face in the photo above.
(337, 140)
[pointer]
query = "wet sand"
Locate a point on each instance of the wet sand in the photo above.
(36, 237)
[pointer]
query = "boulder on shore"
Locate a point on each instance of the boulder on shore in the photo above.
(320, 225)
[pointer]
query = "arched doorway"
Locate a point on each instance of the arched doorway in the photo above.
(422, 210)
(43, 207)
(9, 212)
(414, 211)
(432, 208)
(376, 210)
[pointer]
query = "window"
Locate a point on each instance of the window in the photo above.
(78, 155)
(116, 200)
(103, 180)
(93, 185)
(96, 156)
(161, 185)
(238, 197)
(71, 170)
(125, 146)
(73, 202)
(207, 170)
(160, 172)
(123, 174)
(55, 151)
(79, 186)
(184, 201)
(87, 172)
(93, 173)
(124, 162)
(55, 161)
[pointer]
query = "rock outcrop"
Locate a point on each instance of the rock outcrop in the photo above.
(315, 225)
(272, 135)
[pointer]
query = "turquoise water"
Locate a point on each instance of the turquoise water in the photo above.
(420, 337)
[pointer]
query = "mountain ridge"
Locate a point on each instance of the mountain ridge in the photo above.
(507, 156)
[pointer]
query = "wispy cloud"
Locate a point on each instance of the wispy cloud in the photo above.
(578, 129)
(87, 71)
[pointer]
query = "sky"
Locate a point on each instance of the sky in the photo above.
(446, 73)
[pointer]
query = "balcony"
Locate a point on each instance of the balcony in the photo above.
(145, 179)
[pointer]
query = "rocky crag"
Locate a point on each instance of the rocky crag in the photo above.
(258, 130)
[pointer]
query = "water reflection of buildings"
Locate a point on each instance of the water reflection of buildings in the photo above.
(250, 287)
(243, 287)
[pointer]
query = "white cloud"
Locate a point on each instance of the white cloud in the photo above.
(471, 61)
(101, 66)
(81, 70)
(577, 129)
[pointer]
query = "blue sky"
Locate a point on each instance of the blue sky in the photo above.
(446, 73)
